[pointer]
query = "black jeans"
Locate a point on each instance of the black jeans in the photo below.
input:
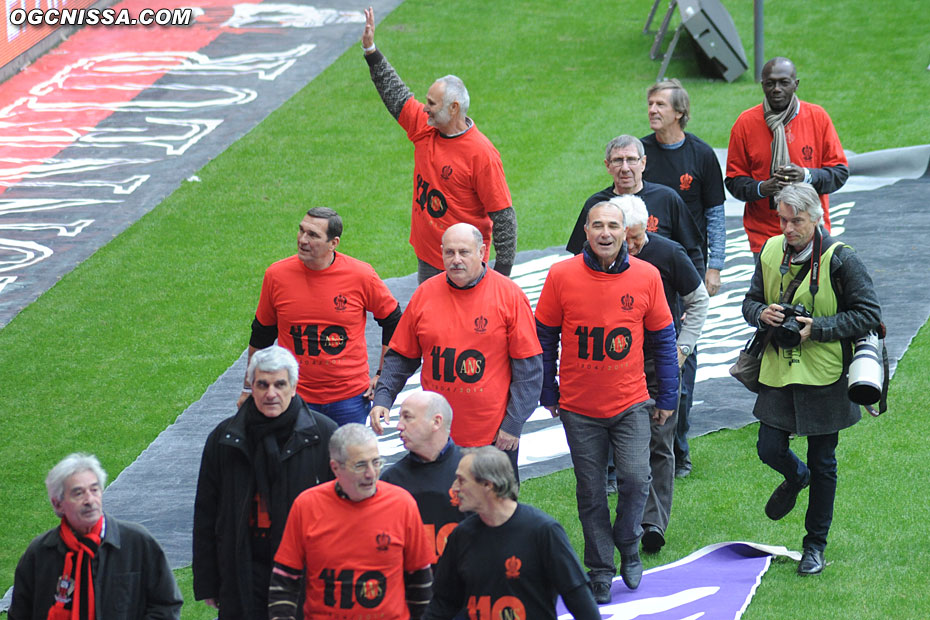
(819, 471)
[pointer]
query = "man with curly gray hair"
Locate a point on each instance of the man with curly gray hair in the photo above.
(91, 565)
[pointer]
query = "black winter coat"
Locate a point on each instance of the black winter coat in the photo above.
(222, 562)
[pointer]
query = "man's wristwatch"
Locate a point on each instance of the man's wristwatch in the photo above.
(685, 350)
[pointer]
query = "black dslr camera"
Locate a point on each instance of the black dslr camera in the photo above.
(788, 334)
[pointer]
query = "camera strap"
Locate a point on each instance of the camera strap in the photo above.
(787, 294)
(812, 266)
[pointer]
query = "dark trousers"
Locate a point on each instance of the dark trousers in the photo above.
(819, 471)
(661, 460)
(688, 376)
(627, 434)
(662, 465)
(514, 455)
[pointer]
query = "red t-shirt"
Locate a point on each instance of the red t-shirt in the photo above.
(458, 179)
(812, 143)
(602, 317)
(321, 319)
(355, 553)
(466, 338)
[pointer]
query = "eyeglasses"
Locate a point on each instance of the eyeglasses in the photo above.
(617, 162)
(362, 466)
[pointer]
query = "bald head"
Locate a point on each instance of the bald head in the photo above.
(424, 424)
(779, 81)
(462, 252)
(780, 61)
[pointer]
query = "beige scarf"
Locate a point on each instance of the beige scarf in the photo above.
(776, 122)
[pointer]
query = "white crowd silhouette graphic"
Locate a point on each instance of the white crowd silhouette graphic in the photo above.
(157, 121)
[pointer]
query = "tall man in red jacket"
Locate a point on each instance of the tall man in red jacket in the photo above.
(782, 140)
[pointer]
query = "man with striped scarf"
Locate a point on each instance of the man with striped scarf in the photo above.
(91, 566)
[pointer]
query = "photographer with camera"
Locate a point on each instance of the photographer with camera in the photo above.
(815, 297)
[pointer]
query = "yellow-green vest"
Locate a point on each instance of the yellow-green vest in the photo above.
(812, 363)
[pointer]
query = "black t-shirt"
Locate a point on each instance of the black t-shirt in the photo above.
(668, 216)
(521, 565)
(692, 170)
(679, 277)
(429, 483)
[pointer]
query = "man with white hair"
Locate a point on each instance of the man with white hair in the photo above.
(427, 471)
(473, 328)
(91, 565)
(356, 545)
(458, 174)
(254, 465)
(683, 288)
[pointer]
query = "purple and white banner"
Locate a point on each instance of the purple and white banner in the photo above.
(717, 582)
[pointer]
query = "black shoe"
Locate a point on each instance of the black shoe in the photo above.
(811, 561)
(684, 471)
(631, 570)
(782, 500)
(601, 592)
(653, 539)
(611, 486)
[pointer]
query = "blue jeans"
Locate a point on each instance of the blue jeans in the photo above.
(588, 439)
(820, 471)
(688, 375)
(341, 412)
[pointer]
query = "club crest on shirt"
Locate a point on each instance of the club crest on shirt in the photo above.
(626, 302)
(64, 590)
(652, 224)
(340, 302)
(807, 153)
(512, 567)
(481, 324)
(370, 590)
(446, 172)
(383, 541)
(685, 181)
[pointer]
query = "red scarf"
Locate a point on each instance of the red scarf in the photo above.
(77, 578)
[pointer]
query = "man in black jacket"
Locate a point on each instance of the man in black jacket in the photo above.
(254, 465)
(91, 565)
